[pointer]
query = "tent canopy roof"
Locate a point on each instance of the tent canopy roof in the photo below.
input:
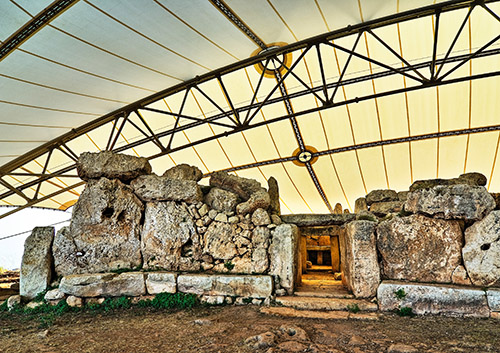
(333, 98)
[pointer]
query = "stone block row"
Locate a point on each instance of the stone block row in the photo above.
(135, 284)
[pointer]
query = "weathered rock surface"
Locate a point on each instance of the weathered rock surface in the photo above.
(381, 196)
(167, 235)
(36, 266)
(274, 195)
(260, 217)
(222, 200)
(218, 241)
(251, 286)
(104, 284)
(184, 172)
(360, 205)
(262, 341)
(54, 294)
(260, 245)
(472, 179)
(433, 299)
(259, 199)
(481, 252)
(284, 256)
(493, 295)
(74, 301)
(111, 165)
(418, 248)
(361, 268)
(155, 188)
(161, 282)
(451, 202)
(243, 187)
(105, 231)
(13, 301)
(381, 209)
(496, 197)
(461, 277)
(311, 220)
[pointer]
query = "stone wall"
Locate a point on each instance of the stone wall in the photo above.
(128, 218)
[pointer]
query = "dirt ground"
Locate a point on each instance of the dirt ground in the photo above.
(225, 329)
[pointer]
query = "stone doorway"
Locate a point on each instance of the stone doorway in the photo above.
(320, 261)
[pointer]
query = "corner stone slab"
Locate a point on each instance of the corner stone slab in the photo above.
(284, 255)
(228, 285)
(184, 172)
(36, 266)
(494, 299)
(104, 284)
(111, 165)
(426, 298)
(161, 282)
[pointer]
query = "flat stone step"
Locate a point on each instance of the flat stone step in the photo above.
(312, 314)
(326, 304)
(323, 291)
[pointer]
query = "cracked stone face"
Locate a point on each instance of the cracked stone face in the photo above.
(481, 252)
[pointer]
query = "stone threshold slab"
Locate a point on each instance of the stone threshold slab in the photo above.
(427, 298)
(325, 304)
(312, 314)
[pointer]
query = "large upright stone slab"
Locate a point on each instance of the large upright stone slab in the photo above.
(420, 249)
(104, 284)
(426, 298)
(481, 252)
(111, 165)
(251, 286)
(274, 194)
(361, 269)
(155, 188)
(167, 234)
(284, 256)
(105, 229)
(36, 266)
(470, 203)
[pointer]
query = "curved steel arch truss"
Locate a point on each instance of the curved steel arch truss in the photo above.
(289, 84)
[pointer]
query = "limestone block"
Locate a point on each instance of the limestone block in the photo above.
(459, 201)
(111, 165)
(218, 240)
(361, 269)
(284, 256)
(74, 301)
(260, 217)
(311, 220)
(381, 209)
(184, 172)
(36, 265)
(161, 282)
(243, 187)
(494, 299)
(155, 188)
(222, 200)
(105, 231)
(460, 276)
(167, 232)
(381, 196)
(54, 294)
(274, 195)
(481, 252)
(259, 199)
(472, 179)
(104, 284)
(360, 205)
(251, 286)
(433, 299)
(418, 248)
(13, 301)
(403, 195)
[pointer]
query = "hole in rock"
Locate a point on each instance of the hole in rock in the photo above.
(121, 216)
(108, 212)
(187, 249)
(485, 246)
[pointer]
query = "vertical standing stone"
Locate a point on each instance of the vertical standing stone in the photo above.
(284, 256)
(36, 266)
(274, 194)
(335, 255)
(361, 268)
